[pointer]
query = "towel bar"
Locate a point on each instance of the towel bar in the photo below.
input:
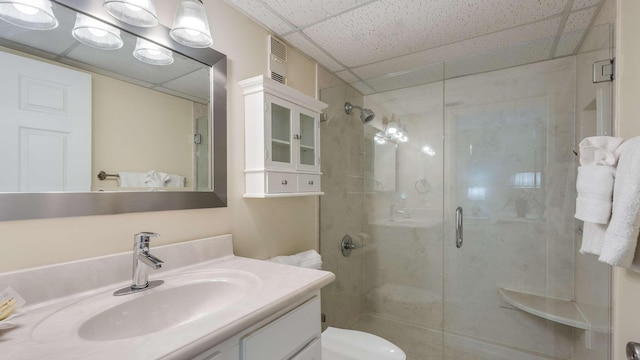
(103, 175)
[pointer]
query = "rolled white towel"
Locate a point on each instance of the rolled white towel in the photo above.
(621, 238)
(595, 189)
(309, 259)
(592, 238)
(599, 150)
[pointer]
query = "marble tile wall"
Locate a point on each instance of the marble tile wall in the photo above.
(342, 207)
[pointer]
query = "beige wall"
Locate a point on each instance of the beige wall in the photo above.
(261, 227)
(626, 284)
(152, 131)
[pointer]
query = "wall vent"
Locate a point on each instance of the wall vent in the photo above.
(277, 60)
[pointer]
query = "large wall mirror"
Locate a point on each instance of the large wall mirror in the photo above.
(88, 130)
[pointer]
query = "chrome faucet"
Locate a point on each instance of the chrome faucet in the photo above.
(142, 261)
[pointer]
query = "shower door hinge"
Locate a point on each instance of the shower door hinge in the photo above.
(604, 71)
(197, 139)
(266, 106)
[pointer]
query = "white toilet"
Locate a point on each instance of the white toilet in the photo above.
(341, 344)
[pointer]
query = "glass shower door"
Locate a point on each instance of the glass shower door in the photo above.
(517, 280)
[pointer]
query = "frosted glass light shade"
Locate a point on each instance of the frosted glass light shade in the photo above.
(190, 26)
(30, 14)
(151, 53)
(95, 33)
(134, 12)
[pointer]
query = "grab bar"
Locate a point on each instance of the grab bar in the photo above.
(459, 227)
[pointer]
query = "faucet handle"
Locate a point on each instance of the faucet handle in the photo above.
(143, 237)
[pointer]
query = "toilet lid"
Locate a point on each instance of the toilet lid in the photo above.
(342, 344)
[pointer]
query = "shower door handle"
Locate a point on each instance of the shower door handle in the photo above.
(459, 227)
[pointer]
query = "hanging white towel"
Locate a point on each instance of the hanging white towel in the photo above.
(595, 193)
(594, 185)
(592, 238)
(621, 238)
(131, 179)
(155, 179)
(599, 150)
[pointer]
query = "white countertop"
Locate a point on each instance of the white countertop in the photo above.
(279, 286)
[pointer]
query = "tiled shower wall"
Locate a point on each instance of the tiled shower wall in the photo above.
(341, 208)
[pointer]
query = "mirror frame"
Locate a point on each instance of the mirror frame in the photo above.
(22, 206)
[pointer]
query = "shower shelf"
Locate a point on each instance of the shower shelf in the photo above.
(582, 316)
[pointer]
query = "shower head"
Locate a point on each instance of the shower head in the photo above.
(366, 115)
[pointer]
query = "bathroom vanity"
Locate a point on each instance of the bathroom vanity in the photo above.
(213, 305)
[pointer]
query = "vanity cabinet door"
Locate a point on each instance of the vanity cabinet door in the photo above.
(279, 131)
(313, 351)
(307, 123)
(284, 337)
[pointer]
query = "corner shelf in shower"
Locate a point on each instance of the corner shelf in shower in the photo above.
(581, 316)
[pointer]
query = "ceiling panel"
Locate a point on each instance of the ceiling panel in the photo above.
(500, 58)
(598, 38)
(579, 20)
(579, 4)
(304, 45)
(541, 29)
(362, 87)
(568, 43)
(299, 14)
(389, 28)
(347, 76)
(258, 11)
(418, 76)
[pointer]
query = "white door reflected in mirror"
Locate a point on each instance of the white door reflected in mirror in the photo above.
(45, 127)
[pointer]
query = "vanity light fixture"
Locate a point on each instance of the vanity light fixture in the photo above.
(95, 33)
(134, 12)
(379, 138)
(190, 25)
(30, 14)
(153, 54)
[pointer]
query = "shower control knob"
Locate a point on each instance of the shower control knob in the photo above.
(284, 182)
(310, 182)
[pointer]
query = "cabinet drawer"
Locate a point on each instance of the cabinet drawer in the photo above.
(308, 183)
(313, 351)
(281, 183)
(285, 336)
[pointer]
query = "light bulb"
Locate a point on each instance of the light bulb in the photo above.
(29, 10)
(132, 7)
(98, 32)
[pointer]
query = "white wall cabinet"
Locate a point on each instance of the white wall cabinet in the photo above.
(282, 140)
(292, 334)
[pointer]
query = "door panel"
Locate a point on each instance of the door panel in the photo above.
(45, 127)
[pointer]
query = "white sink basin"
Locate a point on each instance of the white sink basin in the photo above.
(182, 299)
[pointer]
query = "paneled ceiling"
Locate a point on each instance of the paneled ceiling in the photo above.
(378, 45)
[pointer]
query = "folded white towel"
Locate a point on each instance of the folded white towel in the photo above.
(174, 180)
(131, 179)
(599, 150)
(308, 259)
(621, 237)
(595, 190)
(155, 179)
(592, 238)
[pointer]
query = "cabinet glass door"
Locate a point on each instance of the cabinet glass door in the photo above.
(279, 132)
(308, 137)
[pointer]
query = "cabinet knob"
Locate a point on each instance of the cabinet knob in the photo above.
(310, 182)
(284, 182)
